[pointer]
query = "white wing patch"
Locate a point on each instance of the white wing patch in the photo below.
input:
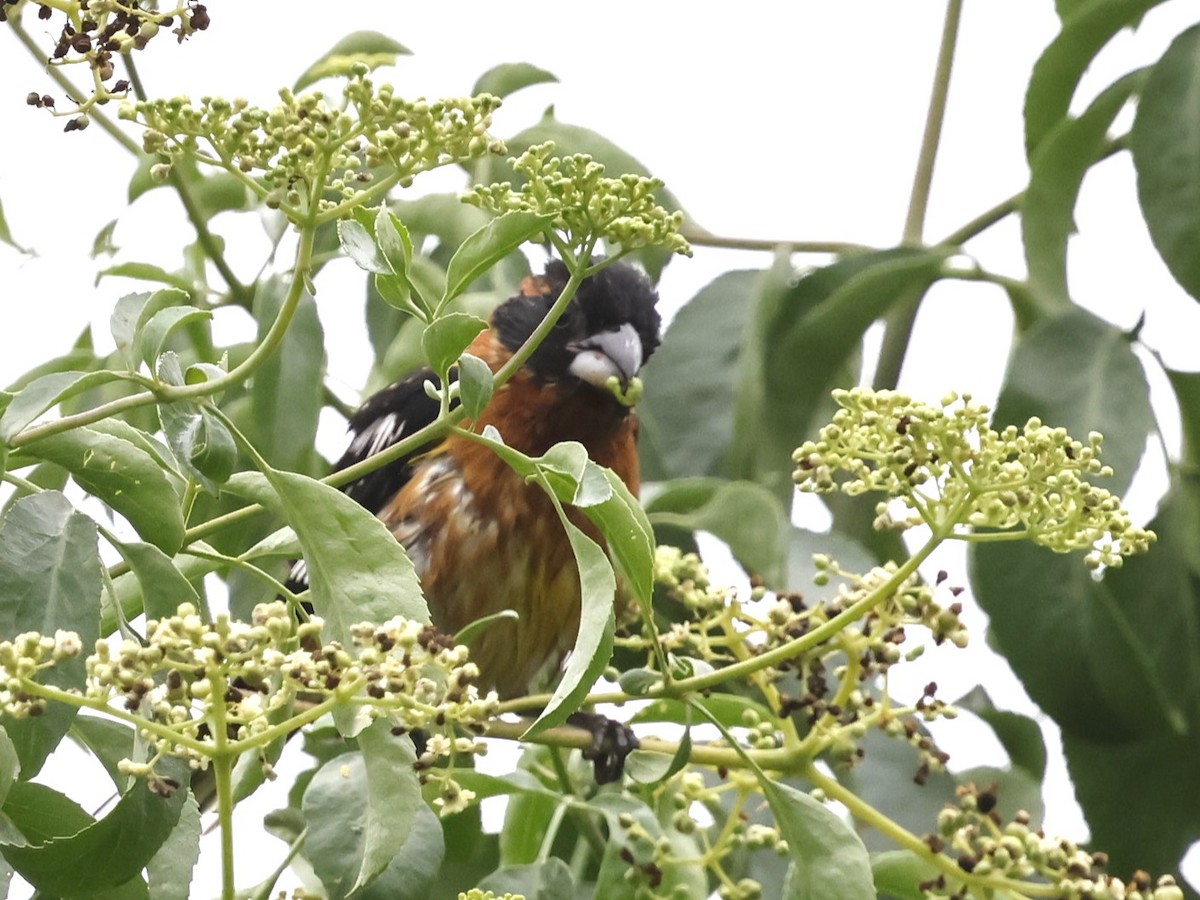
(378, 435)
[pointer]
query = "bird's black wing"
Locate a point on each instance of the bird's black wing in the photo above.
(387, 418)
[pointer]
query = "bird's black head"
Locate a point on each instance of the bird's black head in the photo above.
(610, 327)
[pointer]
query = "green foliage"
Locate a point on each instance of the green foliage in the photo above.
(197, 460)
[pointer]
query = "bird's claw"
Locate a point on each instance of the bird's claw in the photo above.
(612, 741)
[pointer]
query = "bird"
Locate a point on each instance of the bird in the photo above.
(481, 538)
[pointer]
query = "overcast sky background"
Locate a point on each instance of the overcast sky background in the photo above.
(795, 121)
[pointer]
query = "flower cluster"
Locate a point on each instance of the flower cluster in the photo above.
(308, 157)
(95, 32)
(587, 206)
(951, 471)
(190, 674)
(984, 845)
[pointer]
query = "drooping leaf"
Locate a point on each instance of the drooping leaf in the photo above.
(828, 858)
(154, 335)
(286, 396)
(124, 476)
(445, 339)
(487, 246)
(1058, 71)
(508, 78)
(360, 808)
(594, 642)
(369, 48)
(1166, 152)
(746, 516)
(357, 570)
(82, 856)
(49, 579)
(1057, 169)
(1079, 372)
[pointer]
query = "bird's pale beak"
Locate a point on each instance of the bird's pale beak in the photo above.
(610, 354)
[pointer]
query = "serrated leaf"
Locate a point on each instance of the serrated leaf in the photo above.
(445, 339)
(594, 642)
(102, 854)
(393, 241)
(42, 394)
(828, 859)
(508, 78)
(746, 516)
(487, 246)
(1059, 69)
(359, 809)
(1057, 169)
(49, 579)
(369, 48)
(1166, 154)
(475, 384)
(358, 244)
(124, 476)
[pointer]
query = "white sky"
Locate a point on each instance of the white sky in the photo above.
(779, 120)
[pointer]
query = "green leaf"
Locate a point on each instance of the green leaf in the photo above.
(799, 340)
(1057, 167)
(69, 854)
(124, 476)
(42, 394)
(130, 316)
(475, 384)
(687, 410)
(6, 235)
(49, 579)
(369, 48)
(393, 241)
(547, 880)
(746, 516)
(411, 874)
(898, 872)
(1020, 735)
(170, 869)
(46, 476)
(148, 272)
(360, 808)
(445, 339)
(1166, 152)
(102, 244)
(594, 642)
(1078, 372)
(828, 859)
(164, 587)
(627, 533)
(153, 337)
(108, 740)
(1057, 72)
(487, 246)
(199, 440)
(611, 883)
(508, 78)
(358, 244)
(357, 570)
(648, 768)
(10, 765)
(729, 709)
(286, 397)
(1187, 391)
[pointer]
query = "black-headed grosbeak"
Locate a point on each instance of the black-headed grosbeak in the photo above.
(482, 539)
